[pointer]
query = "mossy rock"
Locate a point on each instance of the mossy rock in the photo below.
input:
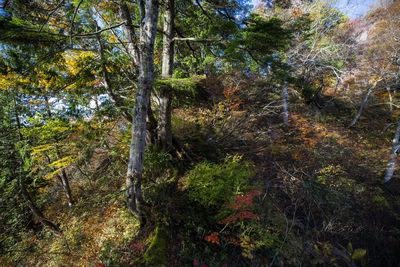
(156, 253)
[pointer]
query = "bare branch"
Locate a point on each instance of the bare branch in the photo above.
(93, 34)
(72, 21)
(197, 39)
(51, 14)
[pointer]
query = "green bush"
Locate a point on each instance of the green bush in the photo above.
(214, 184)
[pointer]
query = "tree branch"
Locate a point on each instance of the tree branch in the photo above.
(93, 34)
(197, 39)
(51, 14)
(72, 21)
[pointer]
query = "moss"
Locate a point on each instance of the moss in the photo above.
(156, 253)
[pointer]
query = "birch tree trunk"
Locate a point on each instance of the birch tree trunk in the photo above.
(148, 27)
(130, 34)
(392, 159)
(390, 100)
(364, 102)
(67, 189)
(164, 105)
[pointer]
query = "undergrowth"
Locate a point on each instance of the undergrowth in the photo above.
(249, 191)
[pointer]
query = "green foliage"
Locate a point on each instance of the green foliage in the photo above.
(327, 254)
(262, 38)
(156, 163)
(213, 184)
(22, 32)
(307, 91)
(184, 90)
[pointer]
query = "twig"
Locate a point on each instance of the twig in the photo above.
(51, 14)
(72, 21)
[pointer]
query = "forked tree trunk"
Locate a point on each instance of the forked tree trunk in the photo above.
(148, 27)
(393, 155)
(115, 98)
(164, 105)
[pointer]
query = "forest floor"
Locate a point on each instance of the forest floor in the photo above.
(316, 194)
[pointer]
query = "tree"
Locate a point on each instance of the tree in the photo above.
(321, 49)
(164, 130)
(15, 166)
(148, 27)
(76, 34)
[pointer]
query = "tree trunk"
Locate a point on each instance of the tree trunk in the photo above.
(164, 106)
(390, 100)
(148, 27)
(130, 34)
(392, 159)
(67, 189)
(364, 102)
(151, 127)
(285, 104)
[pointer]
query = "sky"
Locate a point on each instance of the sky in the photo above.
(353, 8)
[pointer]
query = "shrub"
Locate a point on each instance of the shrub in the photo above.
(213, 184)
(156, 163)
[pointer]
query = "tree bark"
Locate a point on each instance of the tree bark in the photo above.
(164, 104)
(390, 100)
(129, 31)
(148, 28)
(364, 102)
(393, 155)
(285, 104)
(67, 189)
(115, 98)
(151, 127)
